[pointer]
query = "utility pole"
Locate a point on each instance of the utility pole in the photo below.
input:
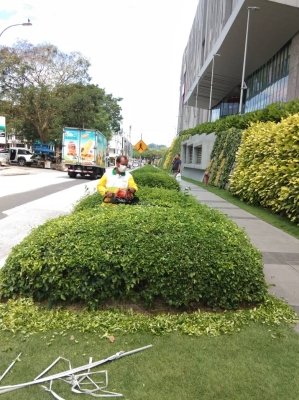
(211, 88)
(130, 143)
(243, 84)
(140, 154)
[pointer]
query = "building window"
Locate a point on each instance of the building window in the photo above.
(184, 155)
(269, 83)
(190, 154)
(229, 106)
(198, 154)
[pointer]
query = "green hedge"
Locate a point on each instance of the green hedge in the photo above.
(273, 112)
(148, 196)
(267, 170)
(89, 201)
(223, 157)
(182, 255)
(175, 148)
(153, 189)
(144, 169)
(153, 177)
(168, 247)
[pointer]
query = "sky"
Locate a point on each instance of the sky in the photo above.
(135, 48)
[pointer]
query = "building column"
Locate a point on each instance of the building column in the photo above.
(293, 87)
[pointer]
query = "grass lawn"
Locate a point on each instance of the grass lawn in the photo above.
(262, 213)
(242, 366)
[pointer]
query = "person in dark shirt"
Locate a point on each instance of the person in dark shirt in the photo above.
(176, 165)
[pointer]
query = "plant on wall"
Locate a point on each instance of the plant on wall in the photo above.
(172, 151)
(273, 112)
(267, 171)
(223, 157)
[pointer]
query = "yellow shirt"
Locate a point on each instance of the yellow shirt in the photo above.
(111, 181)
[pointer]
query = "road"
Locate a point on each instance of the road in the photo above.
(30, 196)
(20, 186)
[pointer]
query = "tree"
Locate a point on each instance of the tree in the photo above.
(156, 146)
(89, 106)
(150, 154)
(44, 89)
(26, 65)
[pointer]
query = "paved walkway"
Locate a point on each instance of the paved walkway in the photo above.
(280, 250)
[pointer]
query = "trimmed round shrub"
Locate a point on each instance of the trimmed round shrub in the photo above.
(150, 190)
(141, 253)
(147, 168)
(90, 201)
(154, 177)
(165, 197)
(147, 196)
(157, 180)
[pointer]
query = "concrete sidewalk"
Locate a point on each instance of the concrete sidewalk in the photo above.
(280, 250)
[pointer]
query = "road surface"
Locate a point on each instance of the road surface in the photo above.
(30, 196)
(16, 190)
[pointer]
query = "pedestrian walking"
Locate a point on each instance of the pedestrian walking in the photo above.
(176, 165)
(206, 178)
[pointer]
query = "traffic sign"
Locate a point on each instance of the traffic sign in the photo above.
(140, 146)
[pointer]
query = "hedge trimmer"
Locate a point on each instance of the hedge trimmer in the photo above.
(123, 196)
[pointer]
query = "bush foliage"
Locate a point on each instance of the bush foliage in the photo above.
(273, 112)
(22, 316)
(89, 201)
(147, 196)
(168, 247)
(146, 177)
(175, 148)
(223, 157)
(267, 170)
(178, 250)
(154, 177)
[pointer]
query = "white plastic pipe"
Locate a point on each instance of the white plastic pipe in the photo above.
(5, 389)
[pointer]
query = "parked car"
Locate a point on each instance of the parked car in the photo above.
(4, 157)
(18, 155)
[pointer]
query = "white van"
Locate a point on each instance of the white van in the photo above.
(17, 155)
(4, 157)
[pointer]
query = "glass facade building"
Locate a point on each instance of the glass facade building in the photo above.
(226, 107)
(267, 85)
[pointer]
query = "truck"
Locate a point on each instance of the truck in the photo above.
(84, 152)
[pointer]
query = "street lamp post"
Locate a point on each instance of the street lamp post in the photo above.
(10, 26)
(23, 24)
(243, 85)
(211, 88)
